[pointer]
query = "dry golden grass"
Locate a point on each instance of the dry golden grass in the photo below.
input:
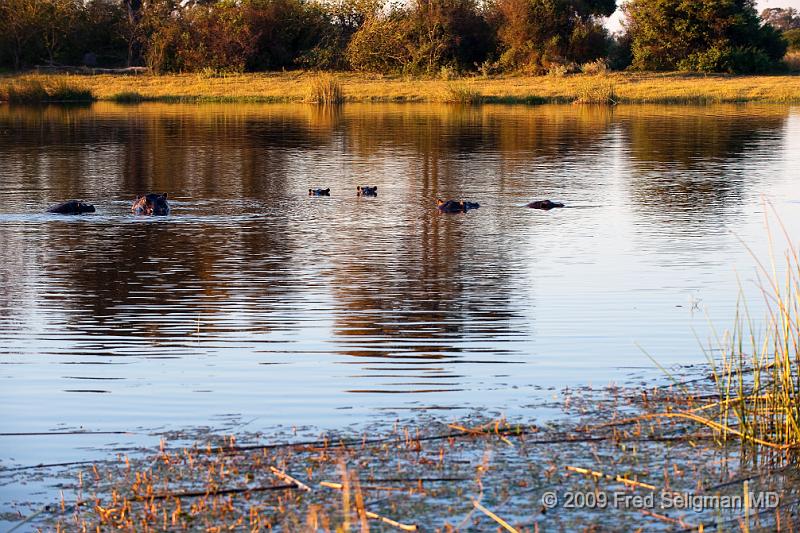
(294, 87)
(325, 89)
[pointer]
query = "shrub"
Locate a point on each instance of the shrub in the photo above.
(598, 66)
(792, 61)
(709, 36)
(792, 38)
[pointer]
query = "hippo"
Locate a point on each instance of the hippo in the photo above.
(363, 190)
(547, 205)
(319, 192)
(453, 206)
(71, 207)
(151, 204)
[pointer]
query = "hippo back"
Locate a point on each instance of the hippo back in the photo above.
(71, 207)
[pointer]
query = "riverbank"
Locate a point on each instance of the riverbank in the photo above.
(296, 87)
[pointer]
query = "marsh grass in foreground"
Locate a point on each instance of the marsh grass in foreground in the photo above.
(43, 89)
(475, 474)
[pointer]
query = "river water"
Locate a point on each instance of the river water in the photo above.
(253, 305)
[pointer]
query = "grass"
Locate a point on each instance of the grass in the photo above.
(297, 86)
(325, 89)
(461, 93)
(596, 90)
(43, 89)
(758, 375)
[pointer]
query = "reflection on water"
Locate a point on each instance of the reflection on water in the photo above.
(254, 300)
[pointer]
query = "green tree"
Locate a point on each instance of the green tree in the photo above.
(707, 35)
(535, 34)
(423, 37)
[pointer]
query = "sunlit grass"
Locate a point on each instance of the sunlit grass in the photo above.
(295, 87)
(43, 89)
(758, 374)
(325, 89)
(461, 93)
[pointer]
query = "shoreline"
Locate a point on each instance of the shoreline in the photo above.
(294, 87)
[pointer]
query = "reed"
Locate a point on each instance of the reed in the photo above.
(758, 373)
(460, 93)
(595, 90)
(127, 97)
(43, 89)
(325, 89)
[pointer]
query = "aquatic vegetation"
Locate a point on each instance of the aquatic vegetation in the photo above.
(596, 91)
(325, 89)
(43, 89)
(474, 473)
(460, 93)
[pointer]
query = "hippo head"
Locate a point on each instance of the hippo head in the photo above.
(151, 204)
(319, 192)
(367, 191)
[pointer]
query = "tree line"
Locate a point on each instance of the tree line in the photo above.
(416, 37)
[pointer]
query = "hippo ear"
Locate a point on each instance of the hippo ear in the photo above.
(327, 190)
(375, 188)
(358, 188)
(164, 196)
(439, 201)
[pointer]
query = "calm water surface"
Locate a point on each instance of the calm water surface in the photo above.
(253, 305)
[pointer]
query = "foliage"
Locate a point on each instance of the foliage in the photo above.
(534, 34)
(792, 38)
(709, 36)
(422, 38)
(781, 19)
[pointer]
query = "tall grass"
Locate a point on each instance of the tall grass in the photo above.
(325, 89)
(595, 90)
(43, 89)
(459, 93)
(758, 374)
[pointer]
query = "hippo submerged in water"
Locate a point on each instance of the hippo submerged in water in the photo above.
(319, 192)
(151, 204)
(71, 207)
(547, 205)
(366, 191)
(453, 206)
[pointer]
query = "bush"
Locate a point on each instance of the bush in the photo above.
(792, 38)
(599, 66)
(709, 36)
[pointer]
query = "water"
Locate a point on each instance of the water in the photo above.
(253, 305)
